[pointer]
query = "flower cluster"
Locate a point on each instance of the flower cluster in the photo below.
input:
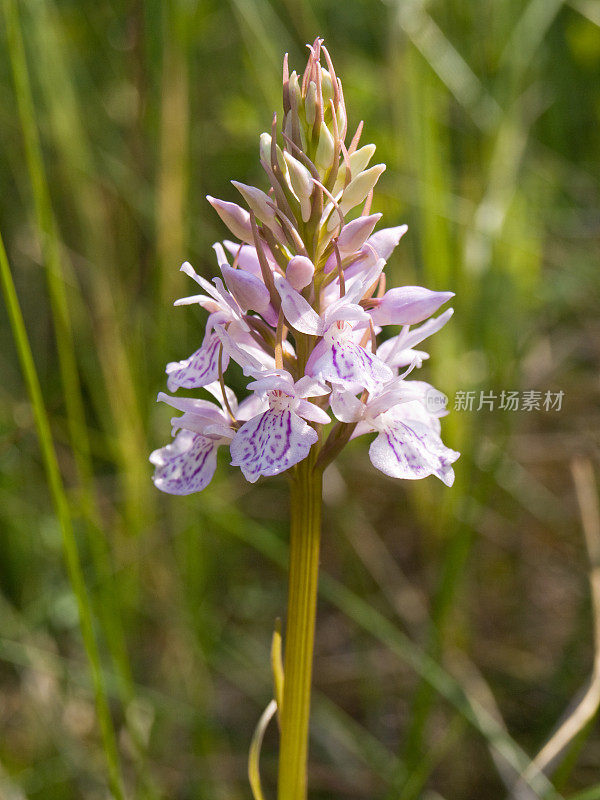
(300, 305)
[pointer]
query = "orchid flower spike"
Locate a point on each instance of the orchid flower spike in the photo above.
(301, 306)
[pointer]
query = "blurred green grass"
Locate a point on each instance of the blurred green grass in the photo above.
(487, 116)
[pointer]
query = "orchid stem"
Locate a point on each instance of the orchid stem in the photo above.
(305, 534)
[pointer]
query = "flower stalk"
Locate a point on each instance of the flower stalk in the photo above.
(305, 535)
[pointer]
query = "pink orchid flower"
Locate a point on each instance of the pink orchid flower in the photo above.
(276, 439)
(408, 443)
(188, 463)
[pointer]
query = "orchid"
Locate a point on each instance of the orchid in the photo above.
(279, 437)
(301, 306)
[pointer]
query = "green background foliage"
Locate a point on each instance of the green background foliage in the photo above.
(445, 614)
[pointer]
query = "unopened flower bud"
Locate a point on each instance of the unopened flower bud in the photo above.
(310, 103)
(248, 290)
(299, 272)
(408, 305)
(359, 160)
(301, 183)
(359, 187)
(235, 217)
(355, 233)
(257, 200)
(340, 113)
(385, 240)
(265, 151)
(325, 149)
(326, 87)
(294, 90)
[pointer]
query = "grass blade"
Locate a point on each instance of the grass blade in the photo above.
(61, 506)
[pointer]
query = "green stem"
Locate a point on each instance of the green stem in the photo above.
(305, 533)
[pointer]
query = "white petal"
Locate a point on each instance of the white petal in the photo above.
(270, 443)
(346, 407)
(428, 328)
(309, 387)
(192, 405)
(298, 311)
(246, 361)
(274, 379)
(214, 388)
(310, 411)
(199, 299)
(251, 406)
(208, 287)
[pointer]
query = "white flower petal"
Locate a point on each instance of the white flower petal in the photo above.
(346, 407)
(297, 310)
(246, 361)
(310, 411)
(309, 387)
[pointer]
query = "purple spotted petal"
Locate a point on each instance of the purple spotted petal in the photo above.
(345, 363)
(186, 465)
(412, 450)
(270, 443)
(200, 368)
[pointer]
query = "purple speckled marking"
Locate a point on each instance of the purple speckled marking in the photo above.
(186, 465)
(270, 443)
(402, 452)
(348, 364)
(200, 368)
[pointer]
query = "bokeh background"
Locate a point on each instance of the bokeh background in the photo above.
(446, 616)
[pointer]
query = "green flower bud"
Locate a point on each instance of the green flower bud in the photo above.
(265, 151)
(310, 104)
(359, 187)
(359, 160)
(326, 87)
(301, 183)
(325, 149)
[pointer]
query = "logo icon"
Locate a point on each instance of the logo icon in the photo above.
(435, 401)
